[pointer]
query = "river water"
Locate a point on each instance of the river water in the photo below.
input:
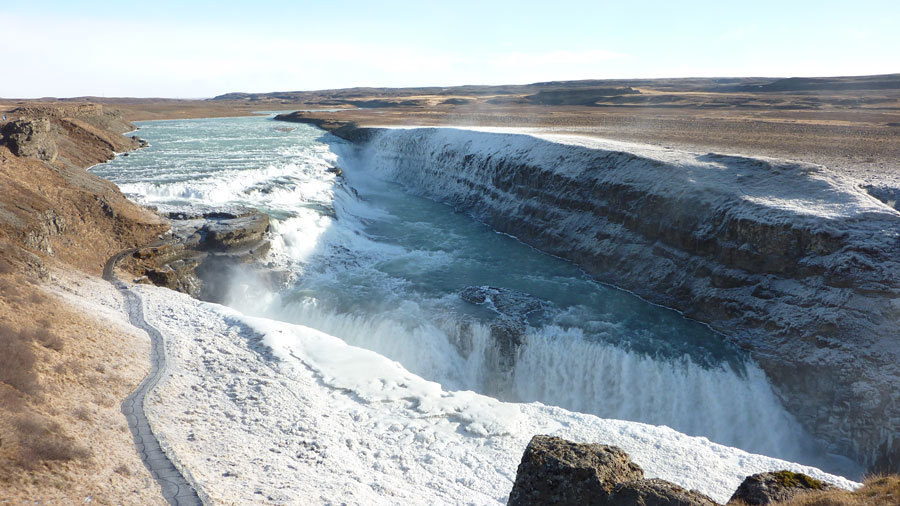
(382, 268)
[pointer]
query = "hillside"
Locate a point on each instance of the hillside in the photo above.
(65, 369)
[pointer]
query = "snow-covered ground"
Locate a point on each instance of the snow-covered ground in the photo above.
(258, 411)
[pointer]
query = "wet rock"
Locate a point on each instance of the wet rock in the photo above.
(31, 138)
(507, 335)
(204, 250)
(179, 275)
(765, 488)
(556, 471)
(198, 212)
(502, 300)
(236, 232)
(508, 329)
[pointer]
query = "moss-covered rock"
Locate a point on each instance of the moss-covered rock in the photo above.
(765, 488)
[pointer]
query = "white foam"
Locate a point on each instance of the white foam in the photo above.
(328, 422)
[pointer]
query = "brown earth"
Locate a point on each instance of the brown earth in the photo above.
(858, 143)
(145, 109)
(850, 124)
(65, 367)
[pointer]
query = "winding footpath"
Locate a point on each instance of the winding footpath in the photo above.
(175, 489)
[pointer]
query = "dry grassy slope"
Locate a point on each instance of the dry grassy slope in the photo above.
(63, 370)
(876, 491)
(58, 210)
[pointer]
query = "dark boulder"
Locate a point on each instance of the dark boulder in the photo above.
(656, 492)
(556, 471)
(765, 488)
(31, 138)
(502, 300)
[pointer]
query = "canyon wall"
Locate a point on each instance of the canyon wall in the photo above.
(791, 262)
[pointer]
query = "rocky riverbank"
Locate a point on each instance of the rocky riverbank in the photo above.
(67, 360)
(791, 261)
(65, 370)
(203, 249)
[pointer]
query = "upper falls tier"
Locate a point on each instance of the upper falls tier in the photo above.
(795, 264)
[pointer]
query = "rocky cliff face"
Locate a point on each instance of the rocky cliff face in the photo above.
(30, 138)
(51, 208)
(202, 250)
(793, 263)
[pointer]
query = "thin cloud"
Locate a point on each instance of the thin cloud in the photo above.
(556, 58)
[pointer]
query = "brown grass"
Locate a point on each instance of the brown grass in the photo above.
(17, 362)
(62, 436)
(876, 491)
(47, 338)
(42, 440)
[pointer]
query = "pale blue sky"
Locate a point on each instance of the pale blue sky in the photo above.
(204, 48)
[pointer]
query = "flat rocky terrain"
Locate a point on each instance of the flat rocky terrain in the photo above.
(849, 124)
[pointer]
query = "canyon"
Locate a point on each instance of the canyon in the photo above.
(788, 259)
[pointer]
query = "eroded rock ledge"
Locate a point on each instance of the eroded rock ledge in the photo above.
(793, 263)
(205, 246)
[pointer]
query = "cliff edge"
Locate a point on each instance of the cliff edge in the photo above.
(794, 263)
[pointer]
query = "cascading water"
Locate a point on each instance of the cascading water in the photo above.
(383, 269)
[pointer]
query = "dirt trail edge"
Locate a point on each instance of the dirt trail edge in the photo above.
(175, 488)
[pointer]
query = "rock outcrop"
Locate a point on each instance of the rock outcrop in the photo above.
(52, 209)
(508, 328)
(31, 138)
(765, 488)
(554, 471)
(203, 249)
(794, 264)
(655, 492)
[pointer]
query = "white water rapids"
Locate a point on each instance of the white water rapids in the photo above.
(382, 268)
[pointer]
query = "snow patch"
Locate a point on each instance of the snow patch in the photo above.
(263, 411)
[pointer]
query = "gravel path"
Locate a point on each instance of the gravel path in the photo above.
(175, 488)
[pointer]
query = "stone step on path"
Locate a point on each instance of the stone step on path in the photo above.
(175, 489)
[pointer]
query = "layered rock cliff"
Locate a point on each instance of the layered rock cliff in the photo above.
(202, 251)
(52, 209)
(791, 262)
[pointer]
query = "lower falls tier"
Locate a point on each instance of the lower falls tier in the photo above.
(791, 262)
